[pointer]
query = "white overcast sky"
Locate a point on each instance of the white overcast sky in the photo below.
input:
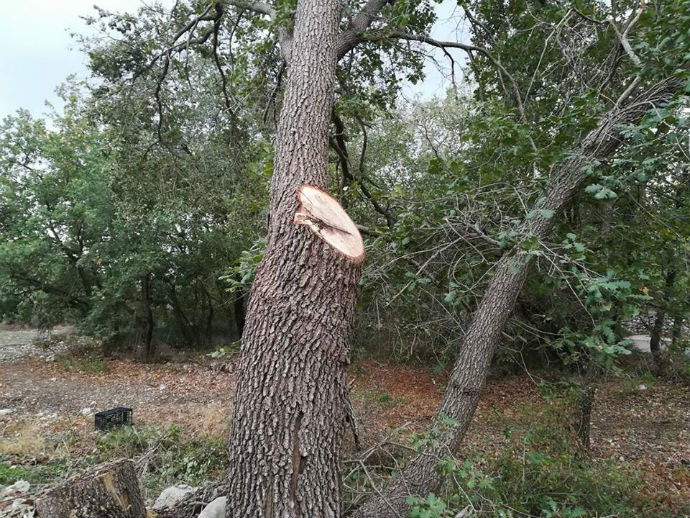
(38, 52)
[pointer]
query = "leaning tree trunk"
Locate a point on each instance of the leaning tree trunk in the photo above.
(291, 391)
(106, 491)
(466, 382)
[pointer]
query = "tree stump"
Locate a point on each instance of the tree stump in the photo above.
(107, 491)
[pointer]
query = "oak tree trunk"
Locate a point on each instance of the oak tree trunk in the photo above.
(107, 491)
(290, 403)
(467, 380)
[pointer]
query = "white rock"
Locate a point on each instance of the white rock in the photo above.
(172, 496)
(20, 486)
(86, 411)
(642, 387)
(6, 411)
(215, 509)
(162, 386)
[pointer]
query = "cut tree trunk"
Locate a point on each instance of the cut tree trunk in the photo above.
(421, 477)
(291, 399)
(106, 491)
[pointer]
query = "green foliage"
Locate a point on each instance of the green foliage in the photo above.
(108, 207)
(222, 351)
(91, 363)
(240, 276)
(34, 473)
(540, 472)
(173, 458)
(428, 507)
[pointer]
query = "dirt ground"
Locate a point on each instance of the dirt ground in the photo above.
(646, 425)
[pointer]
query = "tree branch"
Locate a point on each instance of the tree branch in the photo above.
(467, 48)
(360, 22)
(340, 147)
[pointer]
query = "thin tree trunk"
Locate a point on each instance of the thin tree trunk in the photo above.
(660, 319)
(466, 382)
(291, 395)
(585, 403)
(584, 406)
(676, 330)
(145, 347)
(183, 324)
(239, 312)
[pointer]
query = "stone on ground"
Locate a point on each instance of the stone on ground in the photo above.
(215, 509)
(172, 496)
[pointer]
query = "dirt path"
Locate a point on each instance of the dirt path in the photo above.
(158, 394)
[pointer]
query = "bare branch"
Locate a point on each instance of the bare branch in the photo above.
(340, 147)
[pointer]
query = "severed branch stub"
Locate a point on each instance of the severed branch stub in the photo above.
(324, 216)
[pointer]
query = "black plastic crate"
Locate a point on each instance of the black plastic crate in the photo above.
(114, 417)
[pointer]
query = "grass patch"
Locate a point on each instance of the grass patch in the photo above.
(35, 474)
(91, 363)
(537, 469)
(164, 455)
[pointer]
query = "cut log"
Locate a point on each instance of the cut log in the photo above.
(107, 491)
(324, 216)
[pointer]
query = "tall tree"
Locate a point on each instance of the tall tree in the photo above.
(290, 403)
(289, 414)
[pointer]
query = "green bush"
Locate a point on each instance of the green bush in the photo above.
(541, 471)
(165, 455)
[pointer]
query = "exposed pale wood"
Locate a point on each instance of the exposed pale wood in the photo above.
(107, 491)
(290, 408)
(324, 216)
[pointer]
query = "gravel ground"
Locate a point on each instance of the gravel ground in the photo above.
(26, 343)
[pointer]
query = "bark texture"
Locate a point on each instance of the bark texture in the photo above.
(467, 380)
(583, 422)
(289, 412)
(107, 491)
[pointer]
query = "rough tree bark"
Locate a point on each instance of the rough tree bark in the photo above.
(467, 380)
(291, 391)
(107, 491)
(584, 405)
